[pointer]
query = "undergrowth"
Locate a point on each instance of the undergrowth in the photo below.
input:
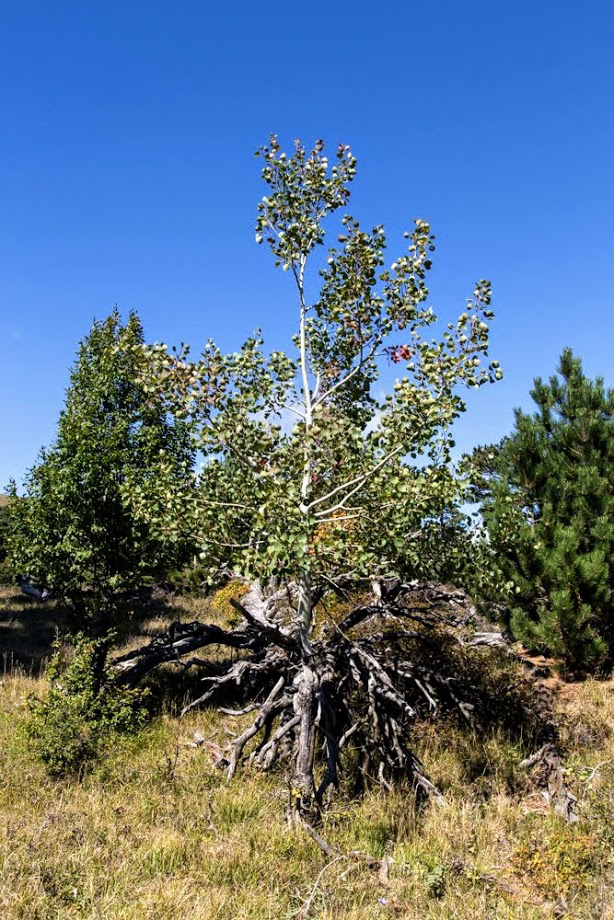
(153, 830)
(83, 707)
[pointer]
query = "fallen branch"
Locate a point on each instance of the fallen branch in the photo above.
(180, 640)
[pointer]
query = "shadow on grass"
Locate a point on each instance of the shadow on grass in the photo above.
(28, 627)
(27, 631)
(171, 688)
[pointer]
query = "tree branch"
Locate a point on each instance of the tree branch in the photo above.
(357, 481)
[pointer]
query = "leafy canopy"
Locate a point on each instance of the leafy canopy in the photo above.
(74, 529)
(308, 468)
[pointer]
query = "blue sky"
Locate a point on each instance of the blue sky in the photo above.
(127, 173)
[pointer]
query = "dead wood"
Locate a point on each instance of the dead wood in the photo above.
(350, 695)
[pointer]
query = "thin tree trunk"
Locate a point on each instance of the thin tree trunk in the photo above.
(303, 786)
(307, 683)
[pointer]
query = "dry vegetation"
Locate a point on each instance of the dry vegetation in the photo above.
(154, 830)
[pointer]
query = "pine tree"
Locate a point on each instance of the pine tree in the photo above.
(549, 513)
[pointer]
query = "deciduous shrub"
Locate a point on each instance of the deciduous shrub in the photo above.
(83, 708)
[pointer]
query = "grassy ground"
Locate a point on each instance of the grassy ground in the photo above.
(154, 830)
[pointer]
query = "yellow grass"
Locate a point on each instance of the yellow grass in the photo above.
(155, 831)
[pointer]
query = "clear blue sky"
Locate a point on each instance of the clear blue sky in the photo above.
(127, 173)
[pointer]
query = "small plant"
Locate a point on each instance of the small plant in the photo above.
(436, 881)
(189, 580)
(83, 708)
(557, 863)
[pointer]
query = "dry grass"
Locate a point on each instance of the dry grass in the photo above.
(28, 628)
(154, 830)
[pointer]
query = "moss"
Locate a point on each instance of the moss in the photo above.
(220, 601)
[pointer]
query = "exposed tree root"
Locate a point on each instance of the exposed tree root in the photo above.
(359, 688)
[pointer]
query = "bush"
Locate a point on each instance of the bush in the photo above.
(84, 707)
(190, 580)
(558, 860)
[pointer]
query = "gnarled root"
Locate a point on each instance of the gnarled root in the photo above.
(351, 696)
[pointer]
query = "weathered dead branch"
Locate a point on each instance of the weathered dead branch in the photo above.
(181, 639)
(358, 688)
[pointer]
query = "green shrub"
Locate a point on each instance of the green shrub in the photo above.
(83, 708)
(190, 580)
(436, 881)
(558, 860)
(6, 572)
